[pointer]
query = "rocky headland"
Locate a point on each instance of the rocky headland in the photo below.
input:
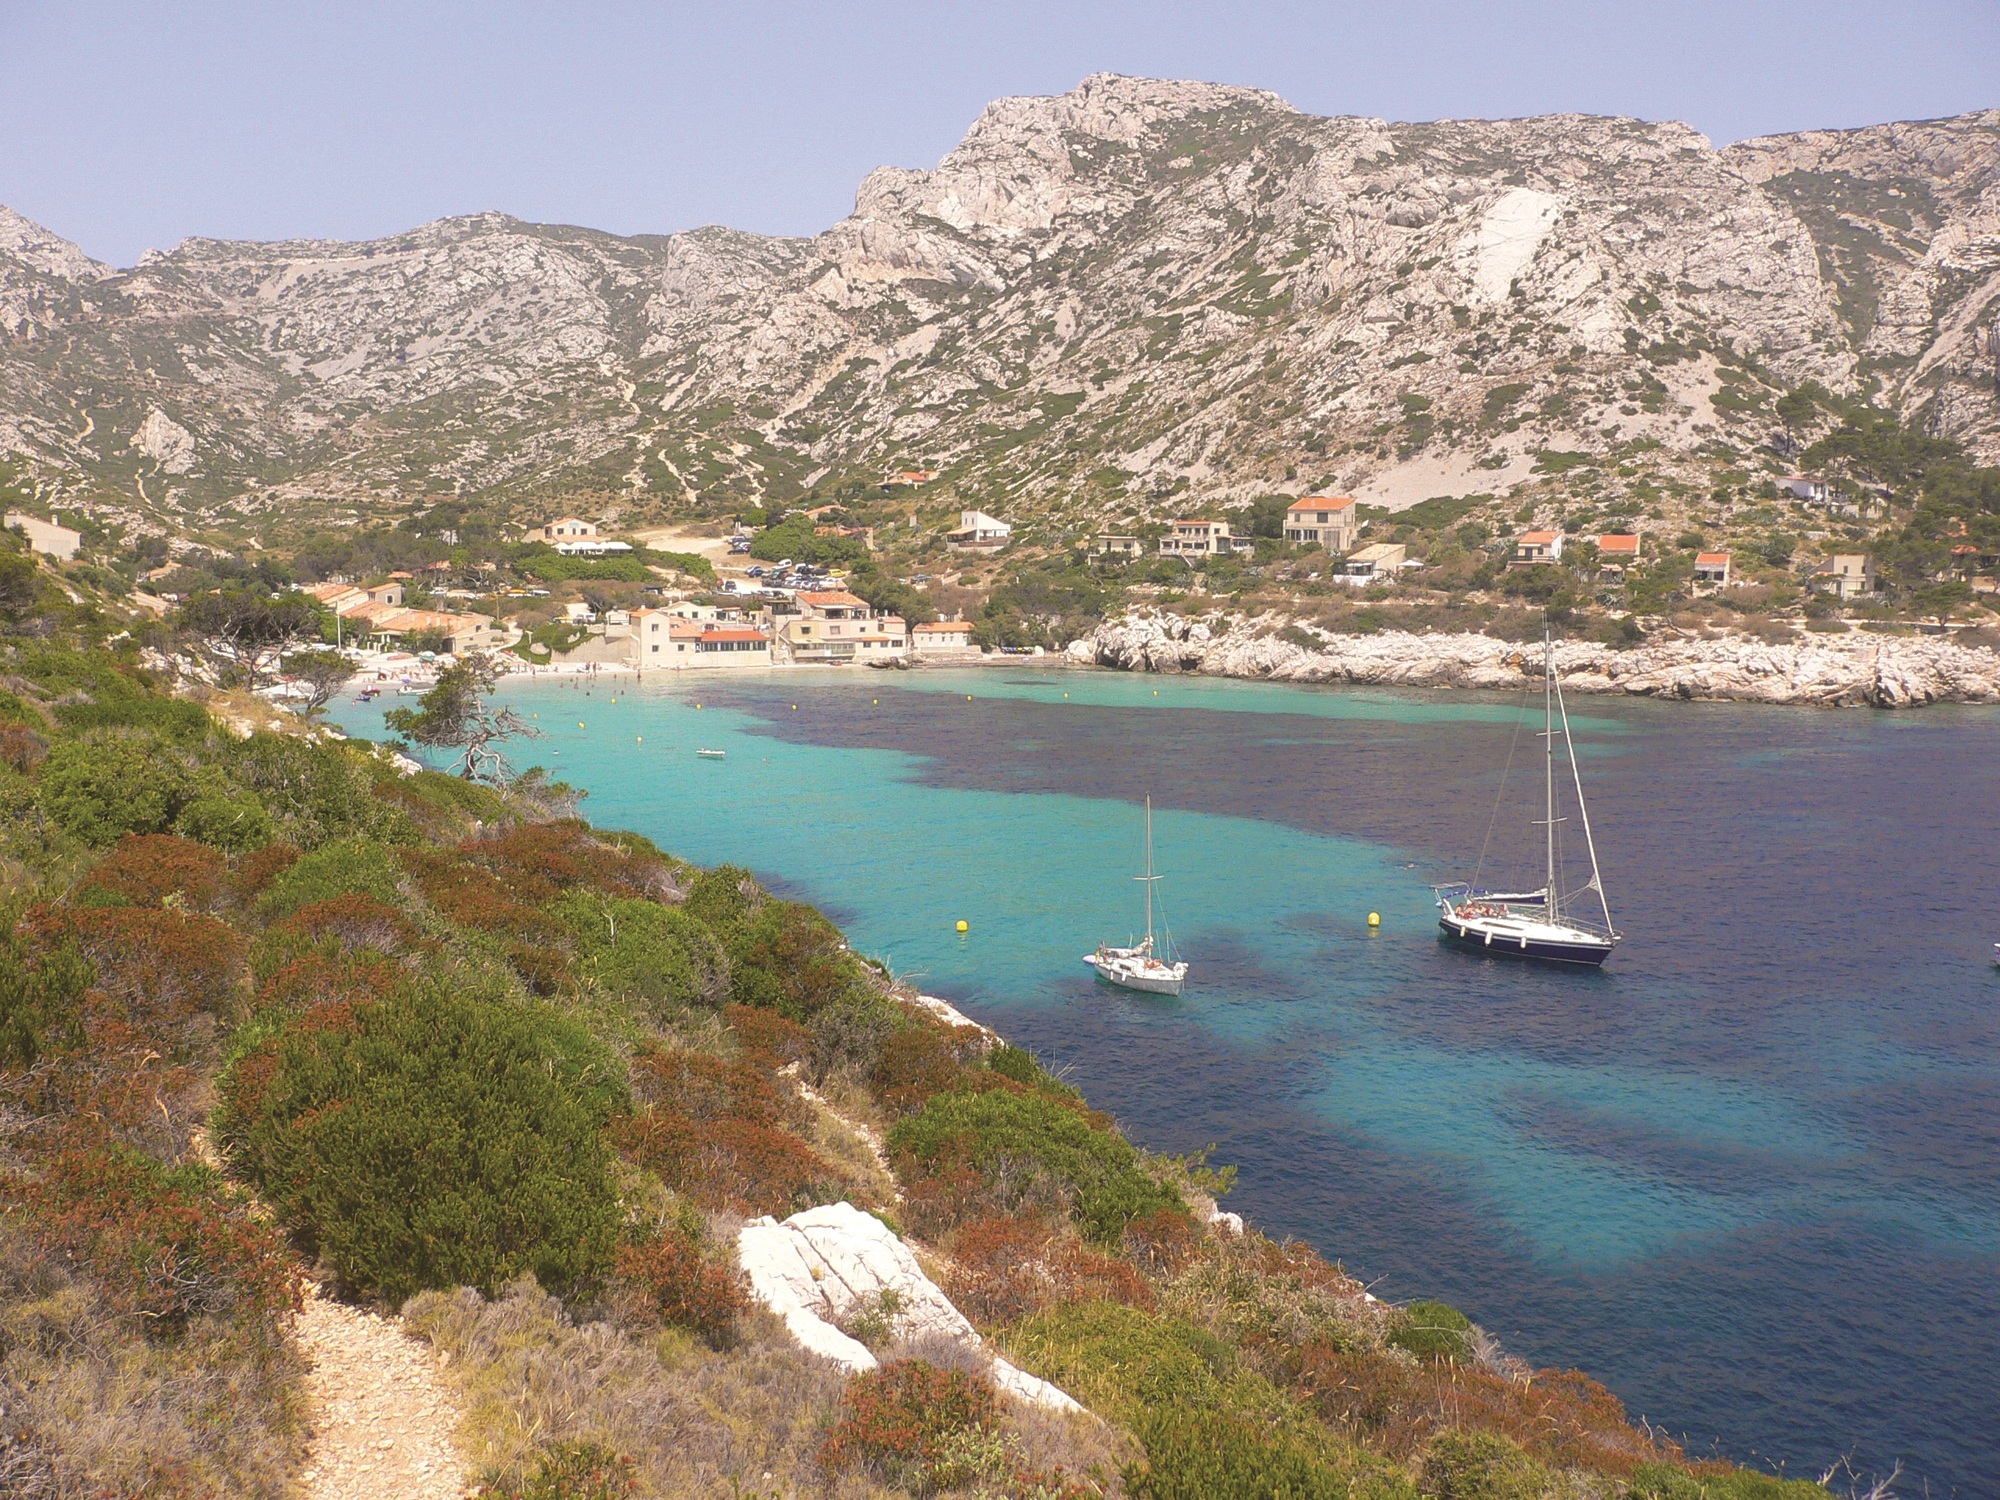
(1856, 670)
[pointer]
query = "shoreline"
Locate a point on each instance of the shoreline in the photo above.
(1852, 671)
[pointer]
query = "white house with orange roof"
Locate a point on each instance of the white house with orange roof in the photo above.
(1712, 569)
(1202, 538)
(1616, 551)
(666, 641)
(1328, 521)
(834, 627)
(1534, 547)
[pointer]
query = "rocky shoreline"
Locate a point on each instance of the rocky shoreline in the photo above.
(1857, 670)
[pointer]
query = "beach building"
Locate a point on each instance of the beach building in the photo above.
(834, 627)
(664, 640)
(978, 532)
(1327, 521)
(1712, 569)
(943, 638)
(1533, 548)
(1202, 538)
(569, 529)
(46, 537)
(1847, 575)
(1108, 544)
(1381, 560)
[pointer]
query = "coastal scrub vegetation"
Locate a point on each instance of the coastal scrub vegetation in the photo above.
(443, 1046)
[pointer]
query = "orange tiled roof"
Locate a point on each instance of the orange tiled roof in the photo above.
(1321, 502)
(1711, 559)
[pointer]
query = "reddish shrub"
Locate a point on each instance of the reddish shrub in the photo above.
(158, 969)
(728, 1163)
(682, 1288)
(903, 1413)
(355, 921)
(164, 1245)
(144, 869)
(258, 870)
(21, 747)
(1162, 1241)
(915, 1065)
(541, 858)
(768, 1036)
(704, 1087)
(322, 978)
(1005, 1269)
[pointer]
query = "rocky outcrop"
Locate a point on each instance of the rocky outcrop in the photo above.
(1097, 301)
(823, 1266)
(1853, 670)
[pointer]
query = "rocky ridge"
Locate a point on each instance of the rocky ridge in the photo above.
(1851, 671)
(1097, 304)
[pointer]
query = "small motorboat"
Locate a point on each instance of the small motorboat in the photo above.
(711, 754)
(1139, 967)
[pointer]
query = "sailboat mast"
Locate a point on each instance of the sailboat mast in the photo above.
(1583, 813)
(1551, 901)
(1149, 872)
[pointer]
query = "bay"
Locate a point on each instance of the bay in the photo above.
(1747, 1176)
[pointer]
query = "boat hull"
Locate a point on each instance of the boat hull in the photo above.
(1163, 983)
(1590, 952)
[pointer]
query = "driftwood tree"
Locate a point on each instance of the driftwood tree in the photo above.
(455, 715)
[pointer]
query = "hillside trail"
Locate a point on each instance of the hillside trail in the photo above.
(383, 1417)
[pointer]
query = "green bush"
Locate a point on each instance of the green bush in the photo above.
(106, 786)
(350, 867)
(1195, 1454)
(131, 707)
(235, 823)
(1434, 1330)
(717, 898)
(789, 958)
(1019, 1064)
(1666, 1482)
(1122, 1363)
(40, 996)
(1035, 1146)
(317, 791)
(640, 950)
(434, 1139)
(1479, 1466)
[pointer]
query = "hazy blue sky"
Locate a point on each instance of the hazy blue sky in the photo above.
(129, 125)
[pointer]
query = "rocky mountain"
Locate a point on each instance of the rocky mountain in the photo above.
(1137, 296)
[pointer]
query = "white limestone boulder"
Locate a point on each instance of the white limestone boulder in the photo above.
(819, 1266)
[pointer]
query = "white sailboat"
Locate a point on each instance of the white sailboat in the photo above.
(1139, 968)
(1547, 924)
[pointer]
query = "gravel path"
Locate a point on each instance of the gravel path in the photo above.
(383, 1418)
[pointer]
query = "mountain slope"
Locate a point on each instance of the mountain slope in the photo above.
(1094, 303)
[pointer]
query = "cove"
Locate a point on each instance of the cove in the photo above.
(1744, 1176)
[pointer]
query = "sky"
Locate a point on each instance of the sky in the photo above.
(129, 126)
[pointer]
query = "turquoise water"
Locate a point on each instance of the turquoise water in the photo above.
(1676, 1173)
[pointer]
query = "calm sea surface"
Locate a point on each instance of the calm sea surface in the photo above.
(1749, 1176)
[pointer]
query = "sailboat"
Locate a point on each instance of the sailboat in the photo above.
(1139, 968)
(1545, 924)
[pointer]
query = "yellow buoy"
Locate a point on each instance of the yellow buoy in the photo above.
(579, 723)
(1374, 919)
(968, 697)
(876, 701)
(964, 926)
(795, 708)
(641, 739)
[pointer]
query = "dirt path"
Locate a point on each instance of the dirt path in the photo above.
(383, 1418)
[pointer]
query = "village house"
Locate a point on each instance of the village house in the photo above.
(1109, 545)
(1533, 548)
(1712, 569)
(664, 640)
(978, 532)
(569, 529)
(1327, 521)
(835, 627)
(1846, 575)
(1381, 560)
(1616, 551)
(46, 537)
(909, 477)
(1202, 539)
(943, 638)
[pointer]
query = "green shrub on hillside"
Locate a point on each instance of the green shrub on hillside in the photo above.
(1121, 1362)
(434, 1139)
(315, 791)
(640, 950)
(718, 898)
(236, 823)
(790, 959)
(1434, 1330)
(41, 993)
(1666, 1482)
(1462, 1465)
(106, 786)
(1033, 1150)
(350, 867)
(1194, 1454)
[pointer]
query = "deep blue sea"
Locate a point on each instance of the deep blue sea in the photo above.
(1748, 1176)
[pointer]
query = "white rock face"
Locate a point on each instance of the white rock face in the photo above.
(166, 442)
(822, 1264)
(1854, 670)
